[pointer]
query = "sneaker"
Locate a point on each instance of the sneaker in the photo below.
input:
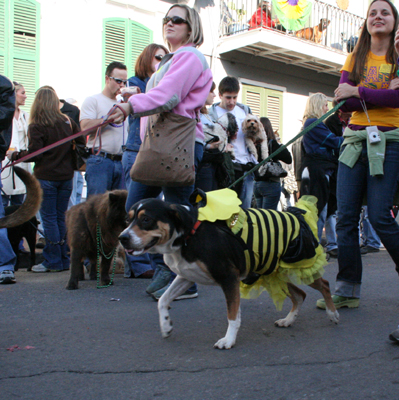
(339, 302)
(188, 294)
(40, 268)
(394, 336)
(41, 243)
(7, 277)
(333, 253)
(161, 279)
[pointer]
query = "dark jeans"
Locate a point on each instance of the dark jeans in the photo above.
(352, 184)
(55, 203)
(267, 194)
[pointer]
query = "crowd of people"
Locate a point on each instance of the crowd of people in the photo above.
(343, 161)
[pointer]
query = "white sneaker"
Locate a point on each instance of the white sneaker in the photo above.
(7, 277)
(39, 268)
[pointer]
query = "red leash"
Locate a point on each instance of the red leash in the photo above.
(67, 139)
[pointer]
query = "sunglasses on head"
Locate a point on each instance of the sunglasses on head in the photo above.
(158, 57)
(118, 81)
(175, 20)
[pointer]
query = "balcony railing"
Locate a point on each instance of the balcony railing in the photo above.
(327, 25)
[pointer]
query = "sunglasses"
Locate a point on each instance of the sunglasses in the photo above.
(175, 20)
(158, 57)
(118, 81)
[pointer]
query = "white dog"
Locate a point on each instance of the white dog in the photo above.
(224, 131)
(255, 134)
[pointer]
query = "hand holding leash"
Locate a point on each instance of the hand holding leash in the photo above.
(119, 112)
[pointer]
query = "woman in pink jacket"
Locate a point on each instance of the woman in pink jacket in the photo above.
(180, 86)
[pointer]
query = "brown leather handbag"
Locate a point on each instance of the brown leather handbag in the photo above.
(166, 155)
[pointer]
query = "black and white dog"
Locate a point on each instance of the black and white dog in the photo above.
(173, 230)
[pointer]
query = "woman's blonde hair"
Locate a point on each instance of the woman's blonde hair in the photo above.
(45, 109)
(314, 106)
(196, 34)
(17, 86)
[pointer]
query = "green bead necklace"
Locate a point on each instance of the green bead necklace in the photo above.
(100, 249)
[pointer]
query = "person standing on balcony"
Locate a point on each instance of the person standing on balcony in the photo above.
(262, 18)
(369, 160)
(229, 87)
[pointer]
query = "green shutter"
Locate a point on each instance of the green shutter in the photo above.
(3, 44)
(123, 41)
(114, 41)
(139, 37)
(265, 103)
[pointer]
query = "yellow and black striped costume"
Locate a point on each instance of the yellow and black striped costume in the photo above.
(268, 234)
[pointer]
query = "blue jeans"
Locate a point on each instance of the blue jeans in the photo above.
(12, 200)
(7, 256)
(175, 195)
(247, 191)
(331, 236)
(267, 194)
(351, 186)
(370, 237)
(56, 196)
(77, 188)
(142, 263)
(103, 174)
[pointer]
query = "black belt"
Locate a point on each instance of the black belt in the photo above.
(113, 157)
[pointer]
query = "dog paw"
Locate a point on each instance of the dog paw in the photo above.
(224, 343)
(167, 328)
(72, 286)
(334, 316)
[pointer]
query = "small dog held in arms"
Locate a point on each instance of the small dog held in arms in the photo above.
(93, 228)
(225, 130)
(255, 134)
(245, 251)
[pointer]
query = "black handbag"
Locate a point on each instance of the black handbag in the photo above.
(80, 154)
(272, 169)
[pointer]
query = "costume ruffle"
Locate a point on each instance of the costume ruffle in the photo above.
(303, 272)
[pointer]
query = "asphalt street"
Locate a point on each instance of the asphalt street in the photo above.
(60, 344)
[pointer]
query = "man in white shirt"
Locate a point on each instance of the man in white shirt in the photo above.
(104, 171)
(229, 88)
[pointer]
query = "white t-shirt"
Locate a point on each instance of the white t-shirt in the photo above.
(242, 155)
(98, 106)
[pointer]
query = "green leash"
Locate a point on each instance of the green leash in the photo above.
(107, 256)
(280, 149)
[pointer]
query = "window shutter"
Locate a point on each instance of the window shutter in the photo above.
(273, 112)
(3, 45)
(265, 103)
(114, 41)
(124, 40)
(139, 37)
(24, 62)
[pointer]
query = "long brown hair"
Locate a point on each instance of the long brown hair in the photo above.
(363, 46)
(45, 109)
(142, 68)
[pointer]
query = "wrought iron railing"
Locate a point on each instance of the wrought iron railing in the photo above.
(326, 25)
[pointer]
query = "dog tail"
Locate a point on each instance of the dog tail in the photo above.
(31, 204)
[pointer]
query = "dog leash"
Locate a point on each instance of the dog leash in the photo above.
(284, 146)
(68, 139)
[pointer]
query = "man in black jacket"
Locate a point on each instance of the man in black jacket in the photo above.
(7, 108)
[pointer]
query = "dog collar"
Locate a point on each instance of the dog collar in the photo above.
(192, 232)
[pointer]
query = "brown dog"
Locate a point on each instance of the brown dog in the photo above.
(314, 34)
(96, 222)
(255, 134)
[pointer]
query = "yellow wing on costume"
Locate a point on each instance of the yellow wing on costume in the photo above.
(220, 205)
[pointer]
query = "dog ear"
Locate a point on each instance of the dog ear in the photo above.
(184, 217)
